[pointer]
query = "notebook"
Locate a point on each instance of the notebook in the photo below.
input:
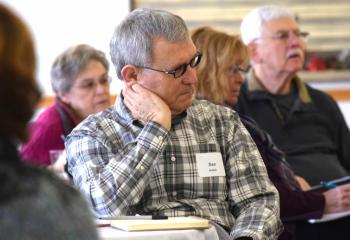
(167, 224)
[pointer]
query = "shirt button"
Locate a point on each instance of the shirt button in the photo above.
(140, 166)
(160, 138)
(173, 158)
(142, 151)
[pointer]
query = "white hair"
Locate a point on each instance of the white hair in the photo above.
(251, 26)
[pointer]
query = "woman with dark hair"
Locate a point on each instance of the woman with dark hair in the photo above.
(34, 204)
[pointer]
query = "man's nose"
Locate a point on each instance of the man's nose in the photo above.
(295, 39)
(191, 76)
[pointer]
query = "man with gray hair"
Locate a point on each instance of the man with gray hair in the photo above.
(158, 151)
(306, 123)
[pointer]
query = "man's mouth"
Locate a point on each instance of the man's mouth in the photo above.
(294, 53)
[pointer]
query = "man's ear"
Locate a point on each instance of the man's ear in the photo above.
(130, 74)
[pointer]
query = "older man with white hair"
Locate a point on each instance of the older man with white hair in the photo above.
(306, 123)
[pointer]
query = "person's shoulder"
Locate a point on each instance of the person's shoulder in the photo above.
(322, 99)
(42, 198)
(97, 125)
(211, 110)
(50, 187)
(108, 113)
(45, 179)
(60, 192)
(318, 94)
(98, 119)
(48, 117)
(33, 183)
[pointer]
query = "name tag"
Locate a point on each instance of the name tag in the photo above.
(210, 164)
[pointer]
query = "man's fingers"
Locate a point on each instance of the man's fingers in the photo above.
(137, 88)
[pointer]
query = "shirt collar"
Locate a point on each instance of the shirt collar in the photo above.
(253, 84)
(178, 119)
(122, 110)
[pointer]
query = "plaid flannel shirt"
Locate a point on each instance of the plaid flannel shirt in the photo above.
(124, 167)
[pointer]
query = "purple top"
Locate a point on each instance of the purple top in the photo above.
(47, 133)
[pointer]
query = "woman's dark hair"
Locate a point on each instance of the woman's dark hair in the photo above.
(19, 92)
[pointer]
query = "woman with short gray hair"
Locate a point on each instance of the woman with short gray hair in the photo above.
(79, 78)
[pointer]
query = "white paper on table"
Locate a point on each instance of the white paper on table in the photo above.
(330, 217)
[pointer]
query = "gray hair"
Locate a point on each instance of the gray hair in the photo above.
(69, 64)
(251, 26)
(132, 40)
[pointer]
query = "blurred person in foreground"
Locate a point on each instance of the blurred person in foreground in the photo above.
(154, 151)
(34, 204)
(306, 123)
(226, 59)
(79, 78)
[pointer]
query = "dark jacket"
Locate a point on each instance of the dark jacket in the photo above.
(313, 133)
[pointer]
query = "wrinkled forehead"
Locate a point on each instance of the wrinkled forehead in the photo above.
(279, 24)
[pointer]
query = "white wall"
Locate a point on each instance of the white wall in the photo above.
(345, 108)
(344, 105)
(58, 24)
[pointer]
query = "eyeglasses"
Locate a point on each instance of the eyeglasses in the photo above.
(286, 36)
(234, 69)
(91, 85)
(180, 70)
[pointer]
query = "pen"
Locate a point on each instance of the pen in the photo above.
(136, 217)
(328, 185)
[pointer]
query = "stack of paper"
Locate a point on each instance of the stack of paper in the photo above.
(167, 224)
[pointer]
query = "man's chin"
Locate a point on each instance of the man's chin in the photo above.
(295, 68)
(296, 65)
(181, 108)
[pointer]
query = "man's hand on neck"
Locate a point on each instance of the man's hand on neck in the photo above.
(145, 105)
